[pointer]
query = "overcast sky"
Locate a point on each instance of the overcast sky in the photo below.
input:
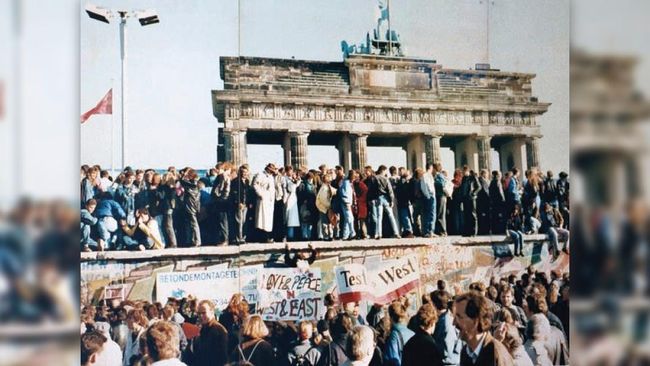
(173, 66)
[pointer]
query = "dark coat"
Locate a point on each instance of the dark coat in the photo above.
(493, 353)
(240, 191)
(373, 187)
(334, 353)
(403, 193)
(221, 192)
(257, 351)
(306, 193)
(497, 196)
(192, 197)
(233, 326)
(421, 350)
(515, 223)
(470, 187)
(385, 188)
(167, 198)
(211, 346)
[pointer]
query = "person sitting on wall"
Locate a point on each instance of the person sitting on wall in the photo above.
(87, 223)
(144, 235)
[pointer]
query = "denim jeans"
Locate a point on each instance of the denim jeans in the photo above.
(106, 230)
(326, 228)
(428, 216)
(347, 223)
(291, 233)
(372, 218)
(306, 231)
(518, 239)
(533, 224)
(555, 234)
(132, 244)
(405, 219)
(86, 240)
(159, 220)
(382, 206)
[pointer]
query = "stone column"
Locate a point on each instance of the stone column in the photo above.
(298, 148)
(532, 152)
(415, 156)
(512, 155)
(359, 150)
(345, 152)
(234, 143)
(467, 149)
(484, 152)
(432, 149)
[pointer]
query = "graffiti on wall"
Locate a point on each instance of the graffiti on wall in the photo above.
(156, 280)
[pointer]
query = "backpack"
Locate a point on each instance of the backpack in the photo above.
(243, 361)
(301, 360)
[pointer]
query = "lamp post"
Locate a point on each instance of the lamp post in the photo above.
(145, 17)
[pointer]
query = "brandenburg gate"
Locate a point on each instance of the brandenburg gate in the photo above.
(378, 100)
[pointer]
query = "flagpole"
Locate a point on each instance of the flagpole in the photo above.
(123, 16)
(112, 130)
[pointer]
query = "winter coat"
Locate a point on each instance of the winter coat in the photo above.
(256, 351)
(421, 350)
(291, 203)
(264, 186)
(221, 192)
(361, 191)
(324, 198)
(307, 202)
(192, 197)
(210, 347)
(403, 193)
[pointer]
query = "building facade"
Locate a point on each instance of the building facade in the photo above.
(378, 100)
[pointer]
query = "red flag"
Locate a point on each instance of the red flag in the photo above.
(105, 106)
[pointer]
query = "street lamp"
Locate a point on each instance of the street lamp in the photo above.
(145, 17)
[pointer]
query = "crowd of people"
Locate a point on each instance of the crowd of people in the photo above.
(511, 321)
(144, 209)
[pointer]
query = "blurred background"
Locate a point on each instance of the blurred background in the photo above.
(610, 171)
(610, 166)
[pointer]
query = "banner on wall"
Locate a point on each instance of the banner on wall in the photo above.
(248, 277)
(393, 278)
(351, 282)
(290, 294)
(114, 292)
(217, 284)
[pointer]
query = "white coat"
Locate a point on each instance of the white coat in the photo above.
(264, 186)
(292, 212)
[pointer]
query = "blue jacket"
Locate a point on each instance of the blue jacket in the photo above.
(86, 218)
(398, 337)
(345, 192)
(111, 208)
(446, 337)
(513, 190)
(125, 196)
(87, 191)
